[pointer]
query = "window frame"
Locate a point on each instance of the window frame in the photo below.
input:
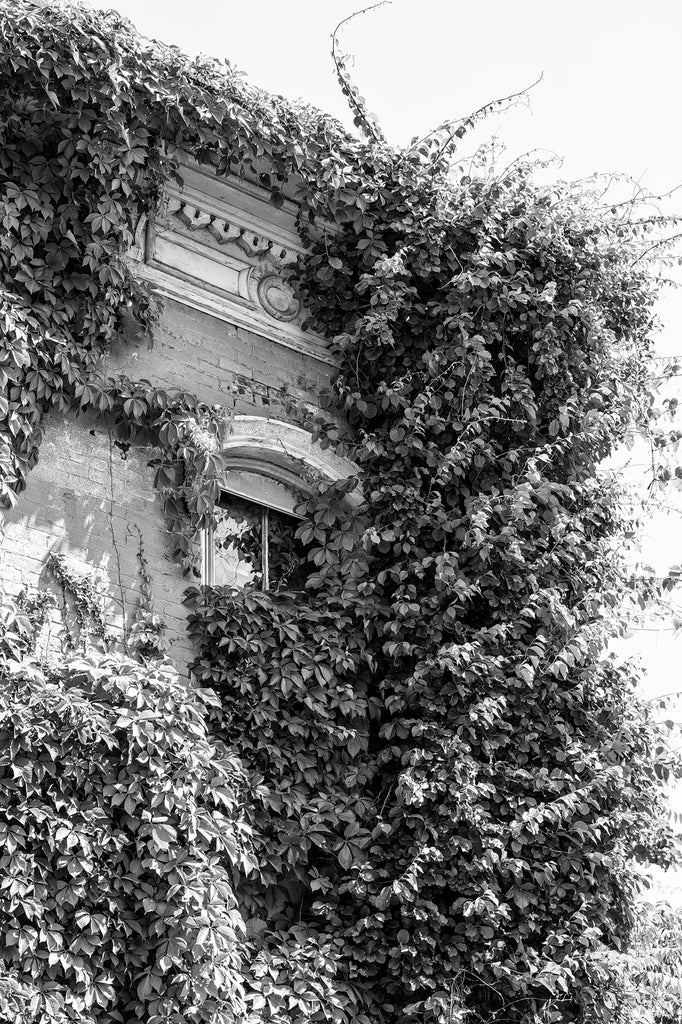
(208, 560)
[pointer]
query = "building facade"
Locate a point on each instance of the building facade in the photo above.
(230, 332)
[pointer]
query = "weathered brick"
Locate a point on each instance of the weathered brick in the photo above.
(85, 500)
(68, 507)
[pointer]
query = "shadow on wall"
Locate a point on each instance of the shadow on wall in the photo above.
(93, 500)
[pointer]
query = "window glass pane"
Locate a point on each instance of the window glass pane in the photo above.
(238, 548)
(287, 559)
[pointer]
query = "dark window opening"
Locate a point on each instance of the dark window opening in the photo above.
(255, 544)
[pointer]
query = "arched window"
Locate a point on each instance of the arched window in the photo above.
(270, 465)
(254, 540)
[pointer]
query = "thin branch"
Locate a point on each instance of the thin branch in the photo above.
(657, 245)
(644, 198)
(662, 696)
(553, 158)
(363, 119)
(458, 129)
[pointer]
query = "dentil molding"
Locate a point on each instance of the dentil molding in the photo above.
(218, 246)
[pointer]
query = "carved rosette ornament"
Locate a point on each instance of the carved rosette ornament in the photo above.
(277, 297)
(266, 285)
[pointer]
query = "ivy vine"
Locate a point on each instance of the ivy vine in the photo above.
(451, 784)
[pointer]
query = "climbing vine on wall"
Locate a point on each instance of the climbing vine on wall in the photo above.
(450, 782)
(80, 590)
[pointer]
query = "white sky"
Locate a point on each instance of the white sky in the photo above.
(612, 80)
(609, 101)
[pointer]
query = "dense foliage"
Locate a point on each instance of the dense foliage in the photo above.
(648, 972)
(121, 841)
(449, 781)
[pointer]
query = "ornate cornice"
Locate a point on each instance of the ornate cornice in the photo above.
(218, 246)
(228, 232)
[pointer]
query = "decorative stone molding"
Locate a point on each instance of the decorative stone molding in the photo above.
(227, 232)
(277, 297)
(272, 291)
(137, 250)
(288, 452)
(219, 246)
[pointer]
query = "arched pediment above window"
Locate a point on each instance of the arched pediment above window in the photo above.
(281, 451)
(271, 466)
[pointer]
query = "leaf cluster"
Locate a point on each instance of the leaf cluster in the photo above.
(122, 837)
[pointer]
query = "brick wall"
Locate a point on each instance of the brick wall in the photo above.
(88, 499)
(93, 502)
(208, 357)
